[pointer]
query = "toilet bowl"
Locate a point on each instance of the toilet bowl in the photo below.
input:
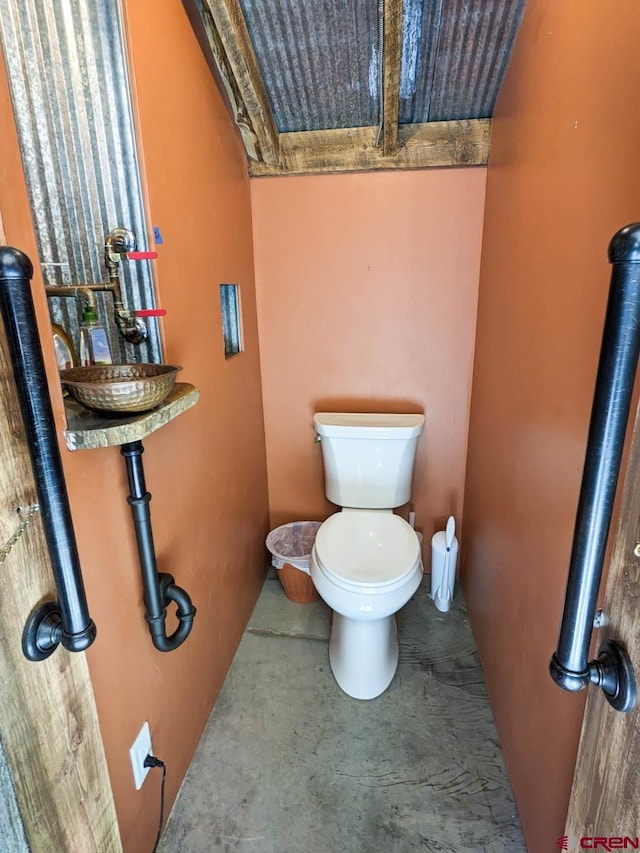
(365, 561)
(366, 565)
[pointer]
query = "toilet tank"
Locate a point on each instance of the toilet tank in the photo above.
(368, 458)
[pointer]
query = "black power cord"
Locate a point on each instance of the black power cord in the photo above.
(152, 761)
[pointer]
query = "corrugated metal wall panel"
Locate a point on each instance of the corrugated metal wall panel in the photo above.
(70, 88)
(317, 59)
(473, 49)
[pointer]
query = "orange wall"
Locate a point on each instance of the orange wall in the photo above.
(205, 470)
(367, 291)
(563, 177)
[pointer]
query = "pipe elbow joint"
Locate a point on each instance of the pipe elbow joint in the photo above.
(568, 679)
(185, 613)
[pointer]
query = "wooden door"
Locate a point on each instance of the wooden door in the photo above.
(604, 812)
(53, 776)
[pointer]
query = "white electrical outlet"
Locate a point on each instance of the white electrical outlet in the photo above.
(140, 748)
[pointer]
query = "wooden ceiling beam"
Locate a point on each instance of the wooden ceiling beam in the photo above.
(392, 61)
(421, 146)
(224, 39)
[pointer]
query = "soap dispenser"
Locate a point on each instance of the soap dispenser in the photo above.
(94, 343)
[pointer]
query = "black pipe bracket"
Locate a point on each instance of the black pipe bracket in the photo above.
(570, 667)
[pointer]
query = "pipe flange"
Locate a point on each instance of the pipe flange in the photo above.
(42, 632)
(612, 671)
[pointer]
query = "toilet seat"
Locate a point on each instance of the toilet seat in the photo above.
(370, 549)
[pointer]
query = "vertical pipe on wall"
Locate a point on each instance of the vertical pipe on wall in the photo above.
(66, 621)
(160, 588)
(570, 667)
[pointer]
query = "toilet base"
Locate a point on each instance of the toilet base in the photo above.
(363, 654)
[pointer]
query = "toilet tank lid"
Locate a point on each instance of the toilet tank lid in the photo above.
(361, 425)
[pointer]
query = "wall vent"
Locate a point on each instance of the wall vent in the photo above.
(231, 327)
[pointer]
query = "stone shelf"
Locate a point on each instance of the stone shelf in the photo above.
(87, 430)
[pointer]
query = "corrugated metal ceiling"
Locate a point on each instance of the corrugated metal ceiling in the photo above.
(314, 58)
(319, 59)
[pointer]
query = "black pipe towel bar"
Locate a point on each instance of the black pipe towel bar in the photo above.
(66, 620)
(160, 589)
(570, 667)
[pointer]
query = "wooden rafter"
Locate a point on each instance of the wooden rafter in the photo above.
(442, 143)
(391, 75)
(225, 41)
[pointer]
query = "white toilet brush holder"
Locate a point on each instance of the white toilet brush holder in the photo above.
(444, 556)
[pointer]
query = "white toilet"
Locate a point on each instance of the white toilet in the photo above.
(366, 561)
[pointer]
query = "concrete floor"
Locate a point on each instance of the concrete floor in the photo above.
(290, 764)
